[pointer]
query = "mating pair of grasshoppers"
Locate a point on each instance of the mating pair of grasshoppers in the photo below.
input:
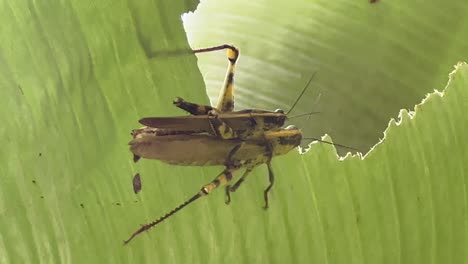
(220, 136)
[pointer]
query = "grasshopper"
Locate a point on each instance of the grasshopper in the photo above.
(220, 136)
(221, 121)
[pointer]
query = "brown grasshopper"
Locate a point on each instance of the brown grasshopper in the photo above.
(221, 136)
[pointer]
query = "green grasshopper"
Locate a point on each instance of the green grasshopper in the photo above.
(221, 136)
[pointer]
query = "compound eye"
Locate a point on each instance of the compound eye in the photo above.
(279, 111)
(291, 127)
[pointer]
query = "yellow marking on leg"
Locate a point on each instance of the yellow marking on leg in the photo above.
(225, 131)
(220, 128)
(232, 54)
(226, 97)
(193, 108)
(203, 109)
(220, 180)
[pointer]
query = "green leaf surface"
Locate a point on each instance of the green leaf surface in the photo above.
(76, 77)
(369, 60)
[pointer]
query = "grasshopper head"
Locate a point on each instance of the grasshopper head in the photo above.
(284, 140)
(275, 120)
(291, 136)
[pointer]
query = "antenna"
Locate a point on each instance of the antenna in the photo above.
(331, 143)
(305, 114)
(302, 93)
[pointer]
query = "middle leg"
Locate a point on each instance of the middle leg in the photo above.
(233, 188)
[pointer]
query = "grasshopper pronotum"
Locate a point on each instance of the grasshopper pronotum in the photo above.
(242, 139)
